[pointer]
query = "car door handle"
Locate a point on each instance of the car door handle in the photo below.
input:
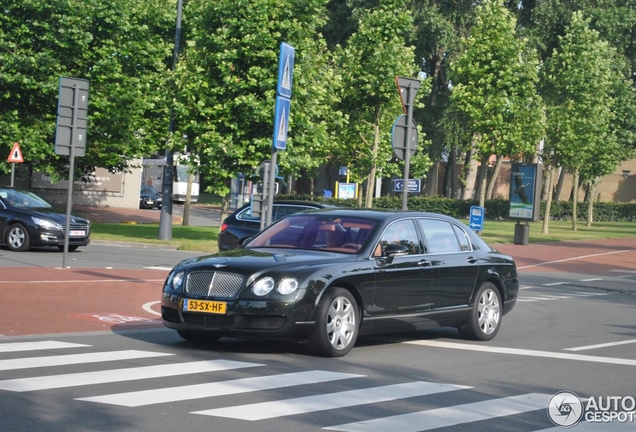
(424, 263)
(472, 260)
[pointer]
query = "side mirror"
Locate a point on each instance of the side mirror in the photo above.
(393, 250)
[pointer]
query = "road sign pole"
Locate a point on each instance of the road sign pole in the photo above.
(407, 153)
(271, 187)
(71, 175)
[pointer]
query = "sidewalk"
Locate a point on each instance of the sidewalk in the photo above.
(121, 215)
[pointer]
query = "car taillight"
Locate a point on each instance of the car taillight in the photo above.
(223, 227)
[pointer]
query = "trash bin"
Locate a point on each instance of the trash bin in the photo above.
(522, 234)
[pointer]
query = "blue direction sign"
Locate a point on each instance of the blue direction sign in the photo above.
(285, 70)
(477, 214)
(414, 185)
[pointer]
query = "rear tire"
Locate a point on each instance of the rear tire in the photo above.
(337, 322)
(485, 317)
(17, 238)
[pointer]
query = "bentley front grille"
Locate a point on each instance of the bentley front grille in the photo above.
(214, 284)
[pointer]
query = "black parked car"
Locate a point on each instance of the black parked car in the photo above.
(325, 276)
(27, 220)
(149, 197)
(241, 224)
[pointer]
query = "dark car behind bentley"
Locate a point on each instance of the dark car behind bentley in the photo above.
(27, 220)
(241, 224)
(326, 276)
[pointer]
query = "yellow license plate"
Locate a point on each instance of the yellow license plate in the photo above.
(204, 306)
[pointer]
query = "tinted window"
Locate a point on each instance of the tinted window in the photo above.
(464, 242)
(401, 232)
(440, 236)
(284, 210)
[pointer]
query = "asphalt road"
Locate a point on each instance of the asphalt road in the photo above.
(83, 350)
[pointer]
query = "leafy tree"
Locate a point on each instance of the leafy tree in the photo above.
(578, 86)
(374, 55)
(121, 47)
(494, 81)
(227, 83)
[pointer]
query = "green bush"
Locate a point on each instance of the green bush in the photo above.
(496, 209)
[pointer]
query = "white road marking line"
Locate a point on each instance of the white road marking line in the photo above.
(573, 259)
(267, 410)
(591, 280)
(83, 281)
(623, 271)
(37, 346)
(626, 276)
(556, 283)
(158, 268)
(120, 375)
(148, 308)
(589, 294)
(524, 352)
(450, 416)
(218, 388)
(61, 360)
(604, 345)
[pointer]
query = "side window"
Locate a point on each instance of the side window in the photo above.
(464, 242)
(284, 210)
(246, 215)
(400, 232)
(440, 236)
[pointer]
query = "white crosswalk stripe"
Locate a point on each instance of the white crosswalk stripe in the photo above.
(324, 402)
(217, 387)
(61, 360)
(120, 375)
(223, 388)
(450, 416)
(37, 346)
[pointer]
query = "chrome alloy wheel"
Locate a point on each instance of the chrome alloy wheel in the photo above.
(489, 311)
(341, 323)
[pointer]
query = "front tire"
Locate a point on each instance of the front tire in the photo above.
(337, 323)
(17, 238)
(485, 317)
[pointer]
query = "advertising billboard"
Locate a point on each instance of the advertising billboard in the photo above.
(525, 190)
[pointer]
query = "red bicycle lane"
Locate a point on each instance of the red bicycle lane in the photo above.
(56, 300)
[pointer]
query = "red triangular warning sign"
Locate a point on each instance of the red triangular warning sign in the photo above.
(16, 155)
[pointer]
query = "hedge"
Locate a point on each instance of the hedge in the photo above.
(496, 209)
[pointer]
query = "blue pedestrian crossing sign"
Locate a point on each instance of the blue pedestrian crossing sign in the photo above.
(281, 122)
(285, 70)
(476, 222)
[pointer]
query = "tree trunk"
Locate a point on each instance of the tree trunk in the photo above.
(575, 197)
(470, 174)
(452, 171)
(493, 178)
(225, 205)
(590, 203)
(483, 178)
(559, 187)
(548, 202)
(374, 159)
(188, 198)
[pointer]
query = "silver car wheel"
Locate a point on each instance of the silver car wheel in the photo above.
(489, 312)
(341, 323)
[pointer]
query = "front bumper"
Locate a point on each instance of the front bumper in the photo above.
(243, 319)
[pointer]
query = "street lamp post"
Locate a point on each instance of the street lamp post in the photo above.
(165, 221)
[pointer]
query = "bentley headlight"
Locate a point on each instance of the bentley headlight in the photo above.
(177, 280)
(263, 286)
(287, 286)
